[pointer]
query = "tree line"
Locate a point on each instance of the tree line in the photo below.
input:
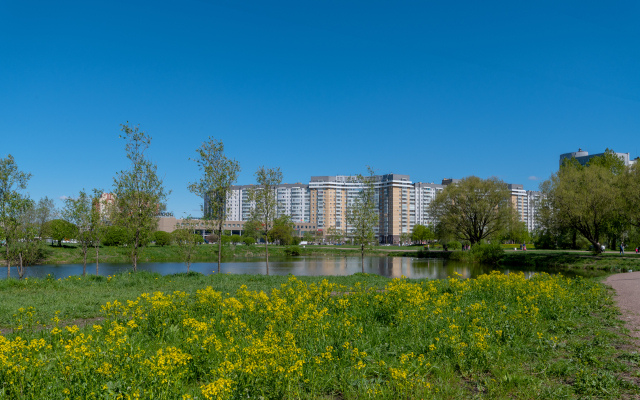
(138, 195)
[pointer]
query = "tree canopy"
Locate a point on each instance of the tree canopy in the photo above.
(473, 209)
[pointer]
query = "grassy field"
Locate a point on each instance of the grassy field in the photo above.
(361, 336)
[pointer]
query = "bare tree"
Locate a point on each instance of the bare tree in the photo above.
(219, 173)
(264, 196)
(12, 202)
(139, 193)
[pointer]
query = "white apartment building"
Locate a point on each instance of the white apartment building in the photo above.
(325, 202)
(424, 195)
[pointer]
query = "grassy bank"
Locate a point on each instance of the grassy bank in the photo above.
(544, 259)
(362, 336)
(70, 254)
(571, 260)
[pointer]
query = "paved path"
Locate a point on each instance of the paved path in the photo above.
(627, 286)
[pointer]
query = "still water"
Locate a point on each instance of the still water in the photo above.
(393, 267)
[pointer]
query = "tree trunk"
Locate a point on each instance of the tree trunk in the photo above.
(20, 269)
(135, 252)
(266, 248)
(97, 252)
(362, 256)
(219, 247)
(84, 260)
(6, 243)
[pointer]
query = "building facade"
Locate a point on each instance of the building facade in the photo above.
(583, 157)
(325, 201)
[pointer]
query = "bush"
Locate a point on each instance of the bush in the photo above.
(198, 239)
(487, 253)
(115, 236)
(162, 238)
(236, 239)
(454, 245)
(248, 240)
(293, 251)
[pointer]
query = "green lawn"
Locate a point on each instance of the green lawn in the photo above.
(355, 337)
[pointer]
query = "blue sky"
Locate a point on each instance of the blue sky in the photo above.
(429, 89)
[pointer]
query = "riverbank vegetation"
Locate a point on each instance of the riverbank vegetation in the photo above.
(363, 336)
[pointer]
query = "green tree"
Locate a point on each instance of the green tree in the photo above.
(139, 193)
(283, 230)
(252, 228)
(582, 198)
(264, 196)
(162, 238)
(26, 248)
(404, 238)
(12, 202)
(516, 232)
(334, 234)
(630, 184)
(422, 233)
(473, 209)
(99, 223)
(362, 216)
(219, 173)
(187, 240)
(60, 230)
(79, 212)
(115, 236)
(45, 211)
(308, 237)
(248, 240)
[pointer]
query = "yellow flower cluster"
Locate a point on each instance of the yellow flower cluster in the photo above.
(299, 340)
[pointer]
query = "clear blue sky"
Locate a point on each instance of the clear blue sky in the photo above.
(429, 89)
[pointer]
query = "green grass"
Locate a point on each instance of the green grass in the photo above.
(354, 337)
(571, 260)
(78, 297)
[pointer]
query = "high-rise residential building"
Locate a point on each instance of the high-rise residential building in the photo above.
(533, 204)
(325, 202)
(583, 157)
(332, 196)
(424, 194)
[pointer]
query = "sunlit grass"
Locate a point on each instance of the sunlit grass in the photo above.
(232, 337)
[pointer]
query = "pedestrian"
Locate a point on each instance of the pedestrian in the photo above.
(622, 248)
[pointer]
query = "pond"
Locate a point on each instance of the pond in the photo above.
(393, 267)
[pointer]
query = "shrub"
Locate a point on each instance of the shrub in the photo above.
(115, 236)
(293, 251)
(487, 253)
(162, 238)
(454, 245)
(236, 239)
(248, 240)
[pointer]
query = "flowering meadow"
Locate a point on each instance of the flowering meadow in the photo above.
(497, 336)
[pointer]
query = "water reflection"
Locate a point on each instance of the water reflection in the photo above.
(393, 267)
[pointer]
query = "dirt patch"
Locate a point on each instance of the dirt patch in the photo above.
(627, 288)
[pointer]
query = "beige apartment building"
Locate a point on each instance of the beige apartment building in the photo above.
(325, 202)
